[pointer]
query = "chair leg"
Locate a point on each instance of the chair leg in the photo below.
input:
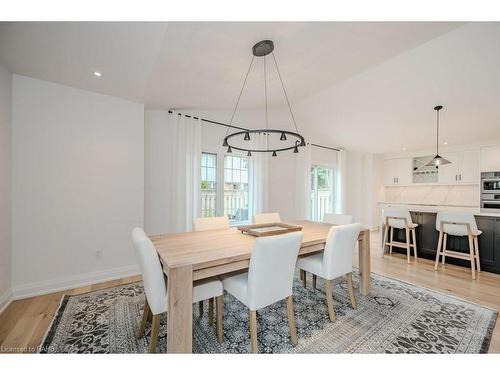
(445, 245)
(145, 318)
(315, 278)
(476, 251)
(351, 290)
(438, 251)
(211, 311)
(392, 239)
(218, 322)
(154, 333)
(291, 320)
(329, 299)
(252, 317)
(472, 257)
(303, 277)
(414, 243)
(407, 233)
(200, 307)
(384, 240)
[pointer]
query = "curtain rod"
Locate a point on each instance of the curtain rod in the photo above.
(240, 128)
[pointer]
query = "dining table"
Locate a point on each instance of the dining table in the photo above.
(190, 256)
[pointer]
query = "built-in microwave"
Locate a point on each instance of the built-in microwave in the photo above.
(490, 182)
(490, 191)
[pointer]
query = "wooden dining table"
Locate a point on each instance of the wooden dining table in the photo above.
(190, 256)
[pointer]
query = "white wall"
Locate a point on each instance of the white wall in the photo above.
(5, 188)
(78, 185)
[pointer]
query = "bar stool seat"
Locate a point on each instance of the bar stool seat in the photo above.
(400, 218)
(458, 224)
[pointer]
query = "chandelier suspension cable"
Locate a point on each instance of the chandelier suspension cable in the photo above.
(265, 101)
(241, 93)
(437, 134)
(284, 91)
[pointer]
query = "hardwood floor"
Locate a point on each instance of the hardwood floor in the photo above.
(24, 323)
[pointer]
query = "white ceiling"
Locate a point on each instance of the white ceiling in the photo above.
(364, 86)
(201, 65)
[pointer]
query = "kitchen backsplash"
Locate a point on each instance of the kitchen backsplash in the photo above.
(456, 195)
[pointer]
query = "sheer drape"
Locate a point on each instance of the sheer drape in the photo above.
(259, 187)
(341, 182)
(183, 168)
(303, 183)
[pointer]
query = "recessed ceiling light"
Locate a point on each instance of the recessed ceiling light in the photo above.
(97, 74)
(445, 143)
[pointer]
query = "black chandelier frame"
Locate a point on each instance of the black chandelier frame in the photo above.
(262, 49)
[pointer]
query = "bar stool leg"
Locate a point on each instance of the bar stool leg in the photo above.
(414, 243)
(392, 238)
(444, 247)
(407, 233)
(476, 250)
(472, 257)
(438, 251)
(386, 233)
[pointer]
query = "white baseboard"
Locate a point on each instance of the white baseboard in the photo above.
(57, 285)
(5, 299)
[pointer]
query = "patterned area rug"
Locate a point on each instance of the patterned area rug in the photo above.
(396, 317)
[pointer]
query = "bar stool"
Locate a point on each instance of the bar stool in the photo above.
(458, 224)
(399, 218)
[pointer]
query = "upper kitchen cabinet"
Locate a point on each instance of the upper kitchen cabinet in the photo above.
(464, 168)
(490, 158)
(397, 171)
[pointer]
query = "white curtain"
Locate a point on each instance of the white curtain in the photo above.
(341, 183)
(259, 189)
(303, 183)
(183, 168)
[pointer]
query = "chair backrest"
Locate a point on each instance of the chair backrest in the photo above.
(339, 249)
(272, 268)
(338, 219)
(397, 212)
(267, 218)
(152, 274)
(456, 217)
(210, 223)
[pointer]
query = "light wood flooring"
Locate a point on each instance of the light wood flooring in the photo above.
(24, 323)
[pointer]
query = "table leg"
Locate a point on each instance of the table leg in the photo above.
(364, 262)
(180, 310)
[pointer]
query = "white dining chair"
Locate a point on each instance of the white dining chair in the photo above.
(458, 224)
(155, 288)
(399, 218)
(335, 261)
(203, 224)
(267, 218)
(210, 223)
(269, 279)
(337, 219)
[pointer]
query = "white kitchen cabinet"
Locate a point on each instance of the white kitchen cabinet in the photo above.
(490, 158)
(464, 168)
(397, 171)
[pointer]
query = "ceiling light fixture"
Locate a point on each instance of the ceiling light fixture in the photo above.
(437, 160)
(262, 49)
(97, 74)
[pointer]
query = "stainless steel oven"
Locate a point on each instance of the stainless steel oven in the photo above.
(490, 191)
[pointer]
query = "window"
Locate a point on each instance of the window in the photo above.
(236, 188)
(322, 194)
(224, 187)
(208, 185)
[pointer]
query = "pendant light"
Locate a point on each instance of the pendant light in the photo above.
(437, 160)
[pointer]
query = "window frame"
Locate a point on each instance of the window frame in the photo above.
(220, 182)
(314, 182)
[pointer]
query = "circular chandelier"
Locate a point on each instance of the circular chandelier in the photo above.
(285, 140)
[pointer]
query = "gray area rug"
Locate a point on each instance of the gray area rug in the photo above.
(396, 317)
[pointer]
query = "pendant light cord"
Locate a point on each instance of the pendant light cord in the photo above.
(437, 134)
(265, 101)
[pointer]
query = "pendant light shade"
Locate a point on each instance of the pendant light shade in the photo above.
(247, 136)
(437, 160)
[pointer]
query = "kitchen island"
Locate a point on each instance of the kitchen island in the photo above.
(427, 237)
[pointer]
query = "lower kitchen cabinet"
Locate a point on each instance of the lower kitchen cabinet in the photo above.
(427, 239)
